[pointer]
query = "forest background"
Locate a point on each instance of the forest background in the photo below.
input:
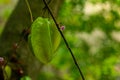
(92, 31)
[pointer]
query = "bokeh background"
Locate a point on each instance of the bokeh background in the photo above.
(92, 29)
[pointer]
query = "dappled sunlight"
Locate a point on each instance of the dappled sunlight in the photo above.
(93, 39)
(91, 9)
(116, 35)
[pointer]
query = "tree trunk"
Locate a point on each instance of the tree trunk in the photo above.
(22, 59)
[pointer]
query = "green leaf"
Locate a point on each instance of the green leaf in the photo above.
(25, 78)
(7, 72)
(44, 39)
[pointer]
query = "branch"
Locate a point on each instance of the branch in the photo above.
(64, 40)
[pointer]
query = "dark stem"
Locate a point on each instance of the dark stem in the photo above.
(1, 73)
(64, 40)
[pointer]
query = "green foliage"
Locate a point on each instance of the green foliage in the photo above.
(25, 78)
(92, 30)
(7, 72)
(44, 39)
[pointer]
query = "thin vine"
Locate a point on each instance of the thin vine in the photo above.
(31, 16)
(64, 39)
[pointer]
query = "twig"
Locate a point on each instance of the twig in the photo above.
(64, 40)
(29, 10)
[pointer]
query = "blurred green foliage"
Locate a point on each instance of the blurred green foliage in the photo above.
(92, 31)
(6, 8)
